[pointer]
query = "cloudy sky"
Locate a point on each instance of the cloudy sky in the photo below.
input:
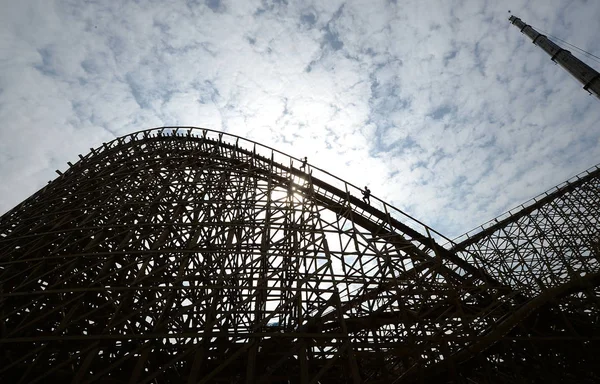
(445, 109)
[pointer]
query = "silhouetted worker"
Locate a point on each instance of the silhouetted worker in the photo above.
(304, 163)
(367, 195)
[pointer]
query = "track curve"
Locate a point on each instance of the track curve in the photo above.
(184, 254)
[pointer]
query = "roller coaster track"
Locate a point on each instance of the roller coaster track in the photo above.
(199, 256)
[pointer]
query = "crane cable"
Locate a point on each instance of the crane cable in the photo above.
(590, 55)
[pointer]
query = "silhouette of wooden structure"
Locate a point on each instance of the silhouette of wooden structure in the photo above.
(186, 255)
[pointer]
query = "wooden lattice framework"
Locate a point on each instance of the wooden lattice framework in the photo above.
(185, 255)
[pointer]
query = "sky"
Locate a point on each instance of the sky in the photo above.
(442, 107)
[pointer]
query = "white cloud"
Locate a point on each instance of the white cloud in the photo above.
(444, 108)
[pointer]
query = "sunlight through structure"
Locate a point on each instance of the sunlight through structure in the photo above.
(186, 255)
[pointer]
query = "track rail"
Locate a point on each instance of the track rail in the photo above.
(439, 312)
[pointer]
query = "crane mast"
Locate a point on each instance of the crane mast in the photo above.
(586, 75)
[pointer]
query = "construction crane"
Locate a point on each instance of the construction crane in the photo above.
(586, 75)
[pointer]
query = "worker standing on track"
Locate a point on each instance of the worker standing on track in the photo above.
(367, 195)
(303, 166)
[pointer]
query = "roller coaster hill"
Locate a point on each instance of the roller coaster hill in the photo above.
(185, 255)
